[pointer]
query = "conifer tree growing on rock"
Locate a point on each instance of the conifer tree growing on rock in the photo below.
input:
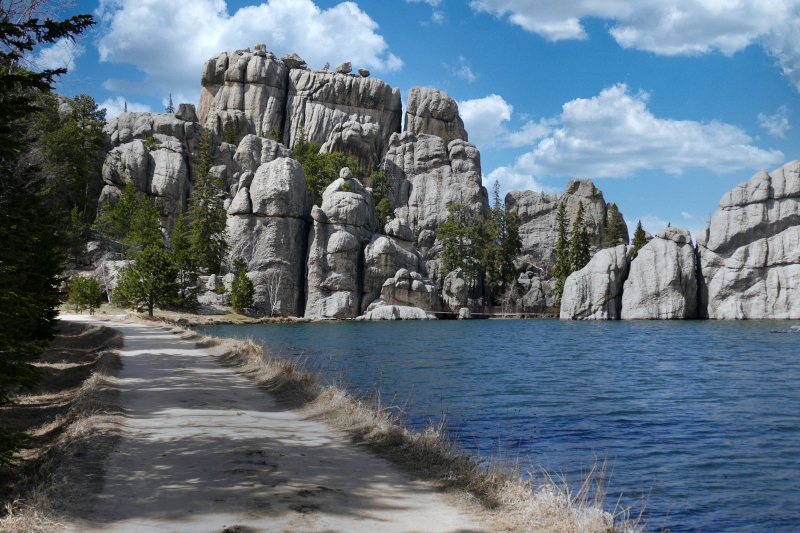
(639, 238)
(563, 267)
(186, 265)
(230, 132)
(614, 233)
(579, 243)
(207, 232)
(499, 245)
(460, 235)
(133, 222)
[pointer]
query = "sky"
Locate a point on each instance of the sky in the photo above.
(664, 104)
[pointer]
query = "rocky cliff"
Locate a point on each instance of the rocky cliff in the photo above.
(749, 256)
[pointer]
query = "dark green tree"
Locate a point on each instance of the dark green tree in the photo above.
(169, 108)
(31, 259)
(242, 292)
(230, 132)
(563, 267)
(579, 243)
(615, 231)
(74, 234)
(85, 293)
(132, 222)
(186, 265)
(207, 231)
(150, 282)
(499, 245)
(639, 238)
(459, 235)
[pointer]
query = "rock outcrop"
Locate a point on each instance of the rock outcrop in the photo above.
(749, 256)
(455, 289)
(267, 228)
(341, 228)
(405, 296)
(267, 96)
(385, 255)
(181, 127)
(433, 112)
(662, 284)
(162, 174)
(537, 211)
(595, 291)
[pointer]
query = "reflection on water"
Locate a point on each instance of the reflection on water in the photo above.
(704, 414)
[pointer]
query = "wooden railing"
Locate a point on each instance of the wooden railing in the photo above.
(497, 310)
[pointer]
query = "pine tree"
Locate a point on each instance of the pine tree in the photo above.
(614, 233)
(639, 238)
(579, 244)
(125, 109)
(230, 131)
(499, 245)
(563, 267)
(150, 282)
(74, 235)
(242, 292)
(169, 108)
(145, 228)
(85, 294)
(186, 265)
(207, 232)
(459, 235)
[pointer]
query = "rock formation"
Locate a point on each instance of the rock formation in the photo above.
(267, 228)
(595, 291)
(265, 96)
(537, 211)
(341, 228)
(661, 284)
(162, 127)
(433, 112)
(749, 256)
(405, 296)
(385, 255)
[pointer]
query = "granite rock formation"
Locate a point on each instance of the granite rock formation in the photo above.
(433, 112)
(661, 284)
(749, 256)
(537, 211)
(405, 296)
(342, 227)
(595, 291)
(181, 127)
(385, 255)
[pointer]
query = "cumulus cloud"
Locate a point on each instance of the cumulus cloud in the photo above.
(170, 41)
(669, 27)
(62, 54)
(115, 106)
(615, 134)
(485, 118)
(510, 180)
(688, 216)
(776, 124)
(433, 3)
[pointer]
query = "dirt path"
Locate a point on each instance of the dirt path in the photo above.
(205, 450)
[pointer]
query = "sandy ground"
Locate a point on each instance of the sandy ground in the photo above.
(205, 450)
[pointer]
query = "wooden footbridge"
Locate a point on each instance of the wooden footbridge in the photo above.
(495, 311)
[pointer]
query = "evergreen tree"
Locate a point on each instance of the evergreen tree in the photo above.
(230, 132)
(169, 108)
(186, 265)
(85, 294)
(639, 238)
(242, 292)
(145, 229)
(459, 235)
(579, 244)
(563, 267)
(74, 235)
(132, 222)
(150, 282)
(499, 244)
(30, 254)
(615, 231)
(207, 232)
(125, 109)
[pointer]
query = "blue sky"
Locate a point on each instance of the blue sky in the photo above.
(665, 104)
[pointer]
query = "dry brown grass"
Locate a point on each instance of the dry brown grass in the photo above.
(73, 421)
(495, 489)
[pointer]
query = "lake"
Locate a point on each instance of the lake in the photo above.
(702, 416)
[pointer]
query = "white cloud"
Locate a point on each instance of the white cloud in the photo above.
(437, 16)
(115, 106)
(776, 124)
(615, 134)
(485, 118)
(669, 27)
(62, 54)
(510, 180)
(170, 41)
(688, 216)
(433, 3)
(462, 70)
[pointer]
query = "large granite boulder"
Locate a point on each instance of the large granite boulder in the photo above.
(662, 284)
(362, 142)
(161, 174)
(342, 227)
(537, 211)
(249, 88)
(396, 312)
(455, 290)
(405, 296)
(267, 228)
(433, 112)
(749, 256)
(182, 127)
(385, 255)
(595, 291)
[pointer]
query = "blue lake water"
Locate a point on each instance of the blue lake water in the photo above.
(702, 416)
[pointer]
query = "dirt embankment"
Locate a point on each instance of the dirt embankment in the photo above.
(73, 418)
